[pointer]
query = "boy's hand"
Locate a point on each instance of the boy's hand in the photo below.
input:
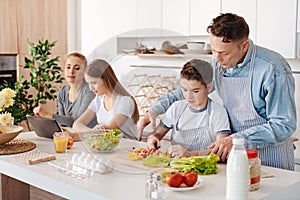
(153, 143)
(149, 118)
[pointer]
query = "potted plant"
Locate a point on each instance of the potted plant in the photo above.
(40, 87)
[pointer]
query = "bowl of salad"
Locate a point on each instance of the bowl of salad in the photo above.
(103, 141)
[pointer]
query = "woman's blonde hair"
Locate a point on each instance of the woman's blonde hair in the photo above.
(101, 69)
(78, 55)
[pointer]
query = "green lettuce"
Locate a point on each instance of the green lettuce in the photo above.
(155, 161)
(203, 165)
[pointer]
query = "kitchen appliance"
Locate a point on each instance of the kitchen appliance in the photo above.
(8, 68)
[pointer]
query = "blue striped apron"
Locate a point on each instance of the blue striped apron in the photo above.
(196, 138)
(237, 98)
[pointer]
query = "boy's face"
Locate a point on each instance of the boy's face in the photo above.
(195, 93)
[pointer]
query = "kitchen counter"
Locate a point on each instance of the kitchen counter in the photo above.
(130, 185)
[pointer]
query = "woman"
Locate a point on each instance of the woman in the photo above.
(74, 98)
(113, 106)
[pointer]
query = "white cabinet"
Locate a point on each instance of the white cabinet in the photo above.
(276, 26)
(148, 17)
(201, 14)
(175, 17)
(102, 20)
(298, 20)
(244, 8)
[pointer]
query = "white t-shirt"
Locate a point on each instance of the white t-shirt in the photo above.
(190, 119)
(123, 105)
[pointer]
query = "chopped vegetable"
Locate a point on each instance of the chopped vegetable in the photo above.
(156, 161)
(203, 165)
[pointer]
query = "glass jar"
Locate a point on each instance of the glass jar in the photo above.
(149, 185)
(254, 165)
(158, 189)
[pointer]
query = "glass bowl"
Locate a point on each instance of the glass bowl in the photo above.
(102, 141)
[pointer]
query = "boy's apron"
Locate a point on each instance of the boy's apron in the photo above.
(196, 138)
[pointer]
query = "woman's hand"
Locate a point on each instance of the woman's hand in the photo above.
(41, 112)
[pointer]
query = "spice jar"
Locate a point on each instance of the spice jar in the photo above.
(254, 166)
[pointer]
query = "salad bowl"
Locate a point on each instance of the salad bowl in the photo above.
(102, 142)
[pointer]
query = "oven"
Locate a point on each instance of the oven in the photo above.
(8, 68)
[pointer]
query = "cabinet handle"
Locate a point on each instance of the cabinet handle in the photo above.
(5, 75)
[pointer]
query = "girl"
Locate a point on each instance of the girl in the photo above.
(113, 106)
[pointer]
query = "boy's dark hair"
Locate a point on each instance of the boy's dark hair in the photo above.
(229, 26)
(199, 70)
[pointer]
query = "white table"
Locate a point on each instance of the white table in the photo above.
(117, 185)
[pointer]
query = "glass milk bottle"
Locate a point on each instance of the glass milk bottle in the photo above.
(237, 172)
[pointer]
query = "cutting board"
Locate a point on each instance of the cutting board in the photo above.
(121, 157)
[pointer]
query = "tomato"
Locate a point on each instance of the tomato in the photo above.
(141, 152)
(190, 178)
(174, 180)
(70, 142)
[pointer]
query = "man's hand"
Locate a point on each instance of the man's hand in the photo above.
(149, 118)
(222, 148)
(177, 151)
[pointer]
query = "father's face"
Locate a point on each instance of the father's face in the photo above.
(229, 54)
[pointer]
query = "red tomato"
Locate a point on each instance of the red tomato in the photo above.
(174, 180)
(70, 142)
(190, 178)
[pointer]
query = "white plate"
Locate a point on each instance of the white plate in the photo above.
(198, 184)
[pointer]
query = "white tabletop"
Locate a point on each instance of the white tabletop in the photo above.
(120, 185)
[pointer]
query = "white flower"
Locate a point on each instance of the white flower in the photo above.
(7, 96)
(8, 93)
(2, 102)
(5, 118)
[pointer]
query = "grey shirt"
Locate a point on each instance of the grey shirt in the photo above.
(68, 112)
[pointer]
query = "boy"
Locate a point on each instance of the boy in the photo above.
(196, 121)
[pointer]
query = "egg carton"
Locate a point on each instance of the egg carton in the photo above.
(83, 165)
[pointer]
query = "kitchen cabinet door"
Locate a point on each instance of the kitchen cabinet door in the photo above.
(175, 17)
(148, 17)
(276, 26)
(297, 100)
(102, 20)
(201, 14)
(8, 30)
(298, 20)
(42, 19)
(245, 9)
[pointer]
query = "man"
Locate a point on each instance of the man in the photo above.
(257, 89)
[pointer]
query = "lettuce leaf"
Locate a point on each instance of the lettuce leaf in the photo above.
(203, 165)
(156, 161)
